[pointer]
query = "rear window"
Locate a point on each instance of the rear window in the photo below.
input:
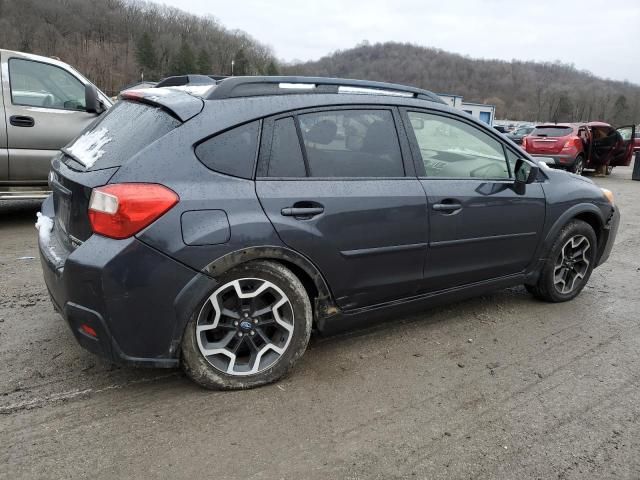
(119, 134)
(551, 131)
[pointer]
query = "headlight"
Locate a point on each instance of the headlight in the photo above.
(608, 194)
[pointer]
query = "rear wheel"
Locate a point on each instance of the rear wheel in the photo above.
(250, 331)
(578, 165)
(609, 169)
(570, 263)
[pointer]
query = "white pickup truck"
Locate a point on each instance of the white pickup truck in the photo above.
(44, 104)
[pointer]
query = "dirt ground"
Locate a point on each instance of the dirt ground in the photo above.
(501, 386)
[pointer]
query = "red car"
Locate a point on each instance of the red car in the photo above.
(580, 146)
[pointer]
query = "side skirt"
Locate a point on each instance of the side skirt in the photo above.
(366, 316)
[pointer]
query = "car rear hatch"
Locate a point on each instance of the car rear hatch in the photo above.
(549, 139)
(138, 120)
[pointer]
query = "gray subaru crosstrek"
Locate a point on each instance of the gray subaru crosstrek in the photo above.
(215, 227)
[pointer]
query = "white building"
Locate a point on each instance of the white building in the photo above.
(484, 113)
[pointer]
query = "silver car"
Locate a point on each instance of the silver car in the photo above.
(44, 103)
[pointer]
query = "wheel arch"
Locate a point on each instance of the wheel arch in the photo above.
(309, 274)
(587, 212)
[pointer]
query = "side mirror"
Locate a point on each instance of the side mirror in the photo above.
(91, 102)
(525, 173)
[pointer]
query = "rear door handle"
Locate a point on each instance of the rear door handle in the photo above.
(21, 121)
(447, 207)
(301, 211)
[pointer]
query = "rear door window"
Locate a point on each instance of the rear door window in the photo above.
(351, 143)
(120, 133)
(232, 152)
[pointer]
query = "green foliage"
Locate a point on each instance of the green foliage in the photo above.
(204, 63)
(272, 69)
(184, 62)
(241, 64)
(146, 55)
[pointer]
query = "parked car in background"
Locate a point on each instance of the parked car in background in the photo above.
(501, 128)
(579, 146)
(214, 230)
(44, 104)
(636, 139)
(519, 133)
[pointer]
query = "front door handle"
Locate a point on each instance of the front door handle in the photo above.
(21, 121)
(307, 212)
(447, 207)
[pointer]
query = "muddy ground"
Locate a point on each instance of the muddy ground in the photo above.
(502, 386)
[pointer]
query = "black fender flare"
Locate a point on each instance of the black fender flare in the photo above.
(278, 253)
(206, 281)
(554, 230)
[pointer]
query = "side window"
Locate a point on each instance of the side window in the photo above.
(37, 84)
(454, 149)
(285, 159)
(232, 152)
(351, 143)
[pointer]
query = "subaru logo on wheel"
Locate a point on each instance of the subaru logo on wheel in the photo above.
(245, 325)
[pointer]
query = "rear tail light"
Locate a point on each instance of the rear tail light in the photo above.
(122, 210)
(524, 143)
(572, 142)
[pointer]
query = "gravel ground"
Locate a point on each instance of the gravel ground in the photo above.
(501, 386)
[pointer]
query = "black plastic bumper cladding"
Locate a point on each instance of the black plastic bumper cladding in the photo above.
(125, 291)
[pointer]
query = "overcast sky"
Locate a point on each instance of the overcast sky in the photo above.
(596, 35)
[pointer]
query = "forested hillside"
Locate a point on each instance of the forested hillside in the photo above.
(519, 90)
(113, 41)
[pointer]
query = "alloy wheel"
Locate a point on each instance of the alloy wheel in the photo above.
(572, 264)
(245, 326)
(579, 166)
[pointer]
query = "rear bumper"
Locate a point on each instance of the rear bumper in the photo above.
(610, 232)
(129, 294)
(558, 161)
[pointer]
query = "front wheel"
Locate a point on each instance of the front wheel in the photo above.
(568, 268)
(250, 331)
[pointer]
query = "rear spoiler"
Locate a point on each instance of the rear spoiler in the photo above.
(178, 103)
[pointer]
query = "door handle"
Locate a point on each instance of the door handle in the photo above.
(447, 207)
(307, 212)
(21, 121)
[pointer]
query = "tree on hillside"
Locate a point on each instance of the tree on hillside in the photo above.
(241, 64)
(204, 63)
(184, 62)
(620, 109)
(272, 69)
(146, 55)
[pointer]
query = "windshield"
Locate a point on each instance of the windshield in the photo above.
(552, 131)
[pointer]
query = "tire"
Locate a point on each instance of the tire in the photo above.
(578, 165)
(561, 278)
(256, 335)
(609, 170)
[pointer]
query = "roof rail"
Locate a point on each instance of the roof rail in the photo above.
(234, 87)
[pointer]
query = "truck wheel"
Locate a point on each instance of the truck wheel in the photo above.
(578, 165)
(569, 265)
(250, 331)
